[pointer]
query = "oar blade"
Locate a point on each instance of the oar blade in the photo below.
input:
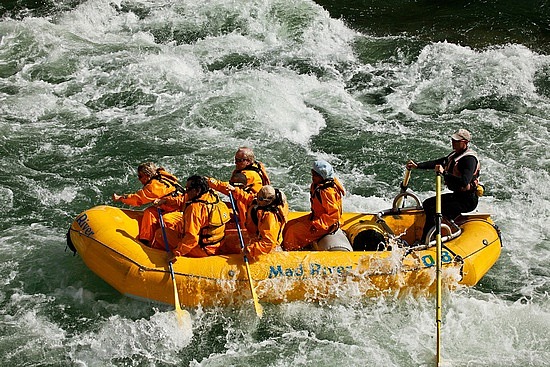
(257, 305)
(259, 309)
(181, 314)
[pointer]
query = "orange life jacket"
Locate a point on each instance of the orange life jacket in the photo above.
(279, 207)
(170, 181)
(218, 215)
(321, 213)
(256, 176)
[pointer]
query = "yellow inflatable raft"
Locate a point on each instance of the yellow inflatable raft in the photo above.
(385, 259)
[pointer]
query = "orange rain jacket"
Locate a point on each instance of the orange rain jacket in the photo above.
(256, 177)
(186, 237)
(266, 235)
(326, 204)
(156, 188)
(326, 212)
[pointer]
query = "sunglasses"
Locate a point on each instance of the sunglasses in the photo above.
(239, 160)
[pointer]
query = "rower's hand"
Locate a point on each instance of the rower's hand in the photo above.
(159, 202)
(439, 169)
(117, 197)
(246, 252)
(411, 164)
(172, 258)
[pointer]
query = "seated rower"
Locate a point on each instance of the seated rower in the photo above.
(460, 170)
(157, 183)
(326, 194)
(201, 221)
(266, 214)
(253, 173)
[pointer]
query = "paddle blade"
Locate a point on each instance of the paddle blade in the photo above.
(183, 317)
(259, 309)
(181, 314)
(257, 306)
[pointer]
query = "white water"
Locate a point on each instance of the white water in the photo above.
(88, 94)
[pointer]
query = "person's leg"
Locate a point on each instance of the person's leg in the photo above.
(429, 210)
(297, 235)
(173, 237)
(173, 220)
(148, 225)
(452, 205)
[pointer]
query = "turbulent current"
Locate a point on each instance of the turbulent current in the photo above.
(90, 89)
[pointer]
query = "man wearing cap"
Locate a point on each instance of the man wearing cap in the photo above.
(266, 214)
(460, 171)
(326, 194)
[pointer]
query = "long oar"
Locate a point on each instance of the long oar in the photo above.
(179, 312)
(257, 305)
(404, 186)
(438, 217)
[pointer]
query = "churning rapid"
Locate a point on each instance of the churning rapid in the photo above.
(90, 89)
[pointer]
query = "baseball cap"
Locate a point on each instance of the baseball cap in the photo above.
(461, 134)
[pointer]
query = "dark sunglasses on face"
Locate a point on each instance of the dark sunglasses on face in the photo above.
(239, 160)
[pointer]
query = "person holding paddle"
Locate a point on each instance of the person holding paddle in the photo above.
(460, 171)
(266, 214)
(157, 183)
(201, 225)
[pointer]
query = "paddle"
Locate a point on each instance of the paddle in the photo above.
(438, 218)
(179, 312)
(404, 186)
(257, 305)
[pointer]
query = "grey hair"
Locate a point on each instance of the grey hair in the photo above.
(248, 153)
(148, 168)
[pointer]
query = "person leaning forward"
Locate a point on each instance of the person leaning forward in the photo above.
(460, 171)
(326, 194)
(201, 230)
(157, 183)
(266, 214)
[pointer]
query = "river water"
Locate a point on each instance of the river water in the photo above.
(89, 89)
